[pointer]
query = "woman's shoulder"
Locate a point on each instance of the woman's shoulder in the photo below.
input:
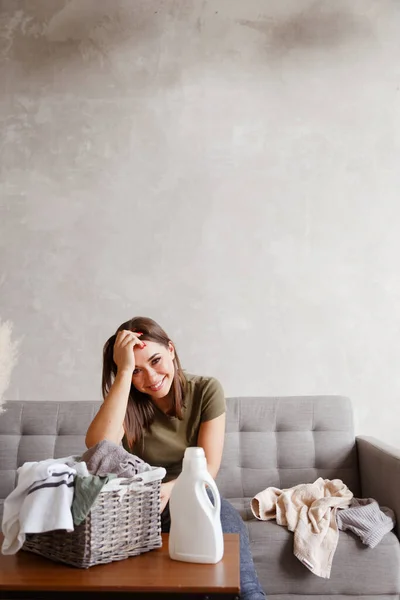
(207, 394)
(203, 386)
(201, 381)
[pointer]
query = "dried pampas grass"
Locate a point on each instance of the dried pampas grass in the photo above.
(8, 358)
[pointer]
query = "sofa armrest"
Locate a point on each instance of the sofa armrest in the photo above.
(379, 466)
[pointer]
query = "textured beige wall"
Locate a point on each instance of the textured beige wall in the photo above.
(228, 167)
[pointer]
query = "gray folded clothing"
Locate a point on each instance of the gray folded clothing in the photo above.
(366, 519)
(107, 457)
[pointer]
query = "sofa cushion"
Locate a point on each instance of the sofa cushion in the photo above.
(356, 569)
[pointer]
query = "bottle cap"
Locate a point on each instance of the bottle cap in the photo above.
(194, 452)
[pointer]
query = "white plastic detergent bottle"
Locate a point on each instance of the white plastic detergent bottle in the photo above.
(196, 533)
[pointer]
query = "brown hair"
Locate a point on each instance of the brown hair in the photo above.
(140, 410)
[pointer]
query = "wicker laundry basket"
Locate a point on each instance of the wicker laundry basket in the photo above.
(124, 521)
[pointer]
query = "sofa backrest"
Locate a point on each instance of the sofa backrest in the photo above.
(269, 441)
(282, 442)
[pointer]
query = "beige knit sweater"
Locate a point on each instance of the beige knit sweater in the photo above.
(309, 510)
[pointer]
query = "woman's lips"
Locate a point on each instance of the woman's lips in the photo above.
(157, 386)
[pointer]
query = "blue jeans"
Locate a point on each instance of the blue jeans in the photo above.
(231, 521)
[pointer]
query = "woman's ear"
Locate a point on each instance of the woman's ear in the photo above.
(171, 350)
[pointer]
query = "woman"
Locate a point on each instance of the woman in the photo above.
(157, 411)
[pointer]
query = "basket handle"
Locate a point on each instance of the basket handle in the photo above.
(122, 484)
(154, 474)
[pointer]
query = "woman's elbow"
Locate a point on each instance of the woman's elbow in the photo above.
(213, 470)
(91, 439)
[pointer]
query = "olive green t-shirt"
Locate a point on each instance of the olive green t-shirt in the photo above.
(165, 444)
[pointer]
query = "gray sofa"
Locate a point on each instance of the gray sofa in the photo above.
(269, 442)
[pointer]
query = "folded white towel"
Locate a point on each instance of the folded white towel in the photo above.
(40, 502)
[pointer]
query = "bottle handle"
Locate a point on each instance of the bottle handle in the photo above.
(215, 492)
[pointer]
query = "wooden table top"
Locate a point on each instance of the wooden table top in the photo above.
(152, 571)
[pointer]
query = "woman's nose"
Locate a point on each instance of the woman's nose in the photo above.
(152, 376)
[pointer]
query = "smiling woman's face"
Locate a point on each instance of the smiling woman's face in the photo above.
(154, 369)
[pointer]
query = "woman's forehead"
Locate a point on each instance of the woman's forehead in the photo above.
(147, 353)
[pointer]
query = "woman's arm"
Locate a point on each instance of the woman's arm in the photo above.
(108, 423)
(211, 438)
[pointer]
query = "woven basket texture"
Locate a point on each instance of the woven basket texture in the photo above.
(117, 527)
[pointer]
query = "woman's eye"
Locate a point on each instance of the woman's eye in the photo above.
(135, 372)
(156, 360)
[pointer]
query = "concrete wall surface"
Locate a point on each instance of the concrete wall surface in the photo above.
(229, 168)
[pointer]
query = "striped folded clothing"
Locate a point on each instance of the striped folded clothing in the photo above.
(40, 502)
